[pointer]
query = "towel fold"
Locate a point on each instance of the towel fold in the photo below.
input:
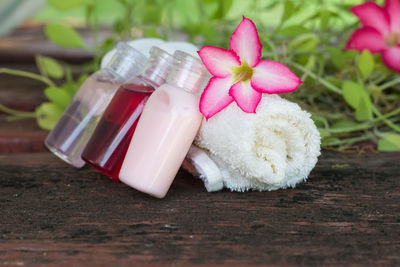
(276, 147)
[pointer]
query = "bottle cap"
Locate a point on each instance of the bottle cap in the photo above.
(127, 62)
(158, 66)
(188, 73)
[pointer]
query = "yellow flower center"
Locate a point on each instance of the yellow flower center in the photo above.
(393, 39)
(242, 73)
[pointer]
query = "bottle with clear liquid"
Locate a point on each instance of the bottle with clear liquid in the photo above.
(166, 129)
(73, 130)
(107, 147)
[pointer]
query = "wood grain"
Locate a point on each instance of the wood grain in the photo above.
(347, 213)
(21, 136)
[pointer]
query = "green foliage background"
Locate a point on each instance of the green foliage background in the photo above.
(352, 96)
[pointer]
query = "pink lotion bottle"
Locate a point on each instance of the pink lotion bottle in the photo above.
(166, 129)
(73, 130)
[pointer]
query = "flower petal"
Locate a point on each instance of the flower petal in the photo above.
(245, 42)
(366, 38)
(215, 96)
(392, 7)
(245, 96)
(391, 57)
(371, 14)
(218, 61)
(274, 78)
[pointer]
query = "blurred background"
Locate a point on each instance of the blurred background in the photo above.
(197, 21)
(56, 44)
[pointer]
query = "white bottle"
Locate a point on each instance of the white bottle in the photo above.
(166, 129)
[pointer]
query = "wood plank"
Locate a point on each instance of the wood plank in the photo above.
(19, 92)
(21, 136)
(25, 43)
(347, 213)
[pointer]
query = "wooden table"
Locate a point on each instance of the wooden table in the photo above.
(347, 213)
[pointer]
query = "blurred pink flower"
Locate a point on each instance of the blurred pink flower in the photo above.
(240, 75)
(380, 32)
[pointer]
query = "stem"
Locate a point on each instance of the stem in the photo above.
(20, 117)
(365, 126)
(15, 112)
(390, 84)
(390, 114)
(324, 82)
(355, 128)
(350, 140)
(388, 122)
(27, 75)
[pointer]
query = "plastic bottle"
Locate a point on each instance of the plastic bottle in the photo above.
(107, 147)
(72, 131)
(166, 129)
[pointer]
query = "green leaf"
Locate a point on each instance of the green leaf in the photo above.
(341, 58)
(330, 141)
(108, 44)
(364, 109)
(58, 95)
(366, 63)
(304, 43)
(181, 11)
(151, 15)
(288, 11)
(294, 30)
(352, 93)
(343, 124)
(389, 142)
(355, 95)
(323, 133)
(65, 4)
(47, 115)
(64, 35)
(325, 16)
(336, 57)
(310, 62)
(375, 91)
(50, 67)
(308, 46)
(223, 8)
(207, 30)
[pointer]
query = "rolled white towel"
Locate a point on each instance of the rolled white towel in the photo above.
(276, 147)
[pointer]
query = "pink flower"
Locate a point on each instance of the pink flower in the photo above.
(380, 32)
(239, 75)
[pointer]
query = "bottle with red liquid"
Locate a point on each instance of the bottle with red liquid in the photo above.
(109, 143)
